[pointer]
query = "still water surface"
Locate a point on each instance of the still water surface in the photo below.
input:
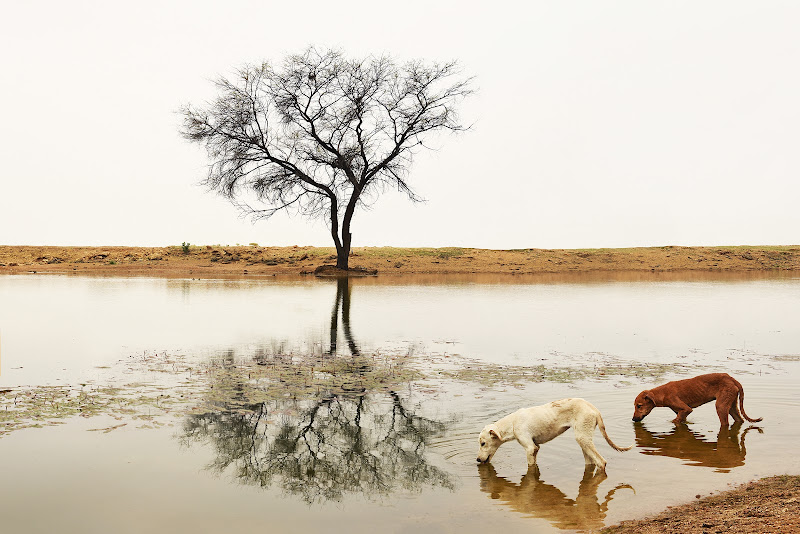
(398, 458)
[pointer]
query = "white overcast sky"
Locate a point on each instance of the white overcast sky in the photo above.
(596, 124)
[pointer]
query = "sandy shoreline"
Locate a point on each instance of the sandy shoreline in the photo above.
(767, 505)
(210, 261)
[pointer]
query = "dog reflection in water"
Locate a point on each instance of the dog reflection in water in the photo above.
(724, 454)
(541, 500)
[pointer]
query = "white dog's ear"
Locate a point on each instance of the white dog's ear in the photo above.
(496, 433)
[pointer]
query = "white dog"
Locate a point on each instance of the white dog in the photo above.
(533, 426)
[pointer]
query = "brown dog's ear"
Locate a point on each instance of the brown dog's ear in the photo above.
(649, 396)
(494, 432)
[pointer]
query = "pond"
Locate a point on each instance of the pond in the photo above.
(304, 405)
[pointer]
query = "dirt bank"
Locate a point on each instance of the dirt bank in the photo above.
(768, 505)
(209, 261)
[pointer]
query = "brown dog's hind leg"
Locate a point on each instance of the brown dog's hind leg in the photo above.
(723, 410)
(726, 404)
(734, 411)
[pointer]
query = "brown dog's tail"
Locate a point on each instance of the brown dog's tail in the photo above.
(741, 403)
(602, 426)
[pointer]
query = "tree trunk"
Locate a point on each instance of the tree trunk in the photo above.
(342, 248)
(342, 261)
(343, 252)
(343, 257)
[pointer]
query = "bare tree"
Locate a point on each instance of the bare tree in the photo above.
(323, 134)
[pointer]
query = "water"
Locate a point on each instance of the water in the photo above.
(355, 454)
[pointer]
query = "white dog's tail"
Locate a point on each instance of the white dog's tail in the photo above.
(605, 435)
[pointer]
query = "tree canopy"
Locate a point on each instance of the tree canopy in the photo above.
(323, 134)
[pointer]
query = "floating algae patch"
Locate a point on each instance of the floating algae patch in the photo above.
(240, 382)
(488, 374)
(151, 388)
(44, 405)
(39, 406)
(174, 387)
(787, 358)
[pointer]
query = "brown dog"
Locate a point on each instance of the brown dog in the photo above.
(683, 395)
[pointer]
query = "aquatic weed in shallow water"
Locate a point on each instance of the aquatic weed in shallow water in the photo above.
(488, 374)
(175, 386)
(237, 381)
(39, 406)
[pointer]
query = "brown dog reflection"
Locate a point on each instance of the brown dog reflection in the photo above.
(535, 498)
(723, 455)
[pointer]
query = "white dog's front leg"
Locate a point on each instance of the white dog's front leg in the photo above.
(532, 452)
(531, 449)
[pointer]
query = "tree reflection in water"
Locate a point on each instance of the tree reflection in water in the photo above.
(727, 452)
(320, 426)
(535, 498)
(322, 449)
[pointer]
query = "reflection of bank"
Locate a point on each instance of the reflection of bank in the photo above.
(727, 452)
(317, 426)
(535, 498)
